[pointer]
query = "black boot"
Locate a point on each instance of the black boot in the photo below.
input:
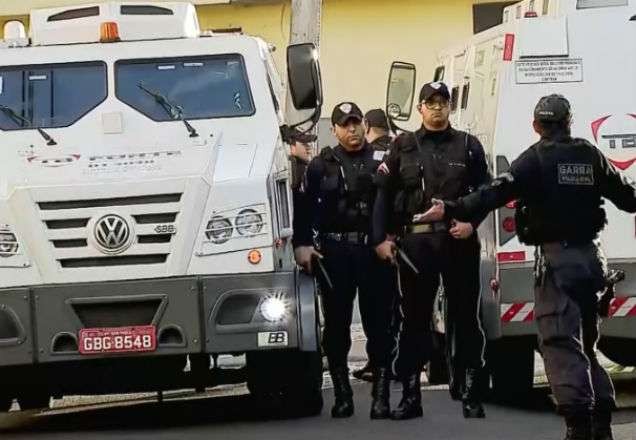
(579, 427)
(471, 399)
(411, 404)
(603, 424)
(380, 406)
(343, 406)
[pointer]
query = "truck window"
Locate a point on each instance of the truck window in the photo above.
(465, 93)
(454, 99)
(204, 87)
(52, 95)
(588, 4)
(439, 74)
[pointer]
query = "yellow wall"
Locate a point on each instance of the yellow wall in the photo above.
(360, 38)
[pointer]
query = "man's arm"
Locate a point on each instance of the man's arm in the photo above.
(306, 205)
(478, 173)
(619, 189)
(386, 181)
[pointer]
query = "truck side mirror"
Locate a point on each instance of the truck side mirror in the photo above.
(400, 91)
(303, 71)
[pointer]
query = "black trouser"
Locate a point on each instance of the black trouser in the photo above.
(566, 311)
(456, 262)
(355, 268)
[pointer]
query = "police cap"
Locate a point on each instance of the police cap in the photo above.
(553, 108)
(376, 118)
(345, 111)
(434, 88)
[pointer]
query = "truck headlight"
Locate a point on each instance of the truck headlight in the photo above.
(274, 309)
(249, 222)
(219, 229)
(8, 244)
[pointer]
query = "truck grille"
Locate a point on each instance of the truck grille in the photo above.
(70, 228)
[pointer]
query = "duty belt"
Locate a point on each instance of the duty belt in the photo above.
(426, 228)
(347, 237)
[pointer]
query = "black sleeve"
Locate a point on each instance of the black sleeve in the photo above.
(478, 172)
(619, 189)
(306, 205)
(387, 180)
(509, 186)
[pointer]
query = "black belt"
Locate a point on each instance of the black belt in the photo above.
(347, 237)
(426, 228)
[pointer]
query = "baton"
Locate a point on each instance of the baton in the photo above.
(323, 271)
(407, 260)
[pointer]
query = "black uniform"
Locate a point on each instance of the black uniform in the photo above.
(421, 166)
(560, 183)
(339, 196)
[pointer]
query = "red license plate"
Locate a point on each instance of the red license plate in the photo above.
(117, 340)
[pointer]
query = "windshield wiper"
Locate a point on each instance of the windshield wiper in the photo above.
(15, 117)
(173, 110)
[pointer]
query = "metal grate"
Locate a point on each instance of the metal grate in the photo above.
(104, 203)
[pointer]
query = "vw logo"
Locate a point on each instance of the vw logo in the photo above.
(112, 233)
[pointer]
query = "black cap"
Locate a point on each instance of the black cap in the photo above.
(345, 111)
(553, 108)
(376, 118)
(433, 88)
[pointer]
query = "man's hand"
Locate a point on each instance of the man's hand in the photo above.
(304, 256)
(386, 251)
(434, 214)
(461, 230)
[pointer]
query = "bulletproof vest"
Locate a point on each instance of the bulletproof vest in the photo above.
(431, 169)
(348, 189)
(566, 204)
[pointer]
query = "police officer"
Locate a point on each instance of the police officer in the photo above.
(560, 182)
(340, 192)
(435, 160)
(377, 135)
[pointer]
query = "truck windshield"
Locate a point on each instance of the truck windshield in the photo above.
(204, 87)
(51, 95)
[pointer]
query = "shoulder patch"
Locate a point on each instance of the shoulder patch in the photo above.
(379, 155)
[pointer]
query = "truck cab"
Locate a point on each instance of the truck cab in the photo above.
(146, 209)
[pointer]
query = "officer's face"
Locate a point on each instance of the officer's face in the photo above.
(350, 135)
(435, 111)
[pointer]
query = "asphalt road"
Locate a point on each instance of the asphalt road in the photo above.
(231, 417)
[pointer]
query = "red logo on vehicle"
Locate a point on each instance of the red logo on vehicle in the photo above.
(618, 146)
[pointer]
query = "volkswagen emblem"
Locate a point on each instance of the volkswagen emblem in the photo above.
(112, 233)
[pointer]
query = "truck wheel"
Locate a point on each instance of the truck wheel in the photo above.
(290, 380)
(438, 365)
(619, 350)
(5, 403)
(34, 401)
(511, 365)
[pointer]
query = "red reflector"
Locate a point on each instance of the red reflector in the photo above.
(531, 14)
(509, 224)
(509, 47)
(507, 257)
(512, 205)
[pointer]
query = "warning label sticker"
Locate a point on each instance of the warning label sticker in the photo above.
(549, 71)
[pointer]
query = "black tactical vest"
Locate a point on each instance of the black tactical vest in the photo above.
(567, 205)
(381, 144)
(431, 170)
(348, 189)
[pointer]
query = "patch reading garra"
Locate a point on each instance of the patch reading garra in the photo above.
(576, 174)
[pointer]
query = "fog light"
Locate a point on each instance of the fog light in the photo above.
(273, 309)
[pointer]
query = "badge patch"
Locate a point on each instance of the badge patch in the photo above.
(576, 174)
(436, 85)
(346, 107)
(379, 155)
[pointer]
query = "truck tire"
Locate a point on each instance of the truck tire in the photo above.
(34, 400)
(5, 403)
(619, 350)
(511, 365)
(438, 365)
(286, 381)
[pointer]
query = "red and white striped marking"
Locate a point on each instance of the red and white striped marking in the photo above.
(518, 312)
(623, 306)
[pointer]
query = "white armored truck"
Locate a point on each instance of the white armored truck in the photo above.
(584, 50)
(146, 210)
